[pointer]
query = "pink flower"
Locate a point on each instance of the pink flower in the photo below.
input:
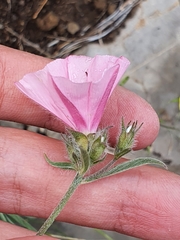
(76, 88)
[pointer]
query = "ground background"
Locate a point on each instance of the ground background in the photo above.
(150, 38)
(44, 27)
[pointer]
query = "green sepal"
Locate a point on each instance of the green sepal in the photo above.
(97, 150)
(80, 161)
(85, 162)
(99, 160)
(124, 167)
(62, 165)
(126, 138)
(122, 153)
(80, 139)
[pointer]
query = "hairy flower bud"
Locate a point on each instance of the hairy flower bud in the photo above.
(77, 147)
(126, 139)
(85, 151)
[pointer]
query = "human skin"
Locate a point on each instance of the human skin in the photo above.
(142, 202)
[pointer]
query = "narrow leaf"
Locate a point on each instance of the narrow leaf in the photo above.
(126, 166)
(20, 221)
(175, 100)
(3, 217)
(105, 235)
(62, 165)
(124, 81)
(16, 219)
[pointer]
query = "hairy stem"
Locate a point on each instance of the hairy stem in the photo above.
(76, 182)
(97, 175)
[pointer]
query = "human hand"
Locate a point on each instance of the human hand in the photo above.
(142, 202)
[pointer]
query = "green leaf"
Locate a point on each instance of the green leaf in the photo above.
(175, 100)
(105, 235)
(3, 217)
(132, 164)
(124, 81)
(62, 165)
(16, 219)
(126, 166)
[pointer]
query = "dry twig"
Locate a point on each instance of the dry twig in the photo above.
(27, 42)
(101, 30)
(40, 7)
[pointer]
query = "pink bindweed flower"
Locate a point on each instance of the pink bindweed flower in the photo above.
(76, 88)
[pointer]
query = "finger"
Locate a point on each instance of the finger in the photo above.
(143, 202)
(9, 231)
(15, 106)
(127, 105)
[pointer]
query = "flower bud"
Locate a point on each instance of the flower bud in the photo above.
(126, 139)
(97, 146)
(85, 151)
(97, 150)
(77, 147)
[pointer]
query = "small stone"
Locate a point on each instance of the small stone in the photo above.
(48, 22)
(73, 27)
(100, 4)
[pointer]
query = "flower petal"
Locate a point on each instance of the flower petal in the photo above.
(58, 67)
(101, 63)
(74, 68)
(90, 98)
(99, 95)
(47, 95)
(75, 89)
(77, 95)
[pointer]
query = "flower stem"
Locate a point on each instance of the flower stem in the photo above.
(76, 182)
(97, 175)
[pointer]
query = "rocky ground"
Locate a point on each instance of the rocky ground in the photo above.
(45, 27)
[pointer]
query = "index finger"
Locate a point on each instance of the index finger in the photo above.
(15, 106)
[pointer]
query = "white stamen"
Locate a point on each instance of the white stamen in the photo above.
(128, 129)
(102, 139)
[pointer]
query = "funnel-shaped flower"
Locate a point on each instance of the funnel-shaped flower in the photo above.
(76, 88)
